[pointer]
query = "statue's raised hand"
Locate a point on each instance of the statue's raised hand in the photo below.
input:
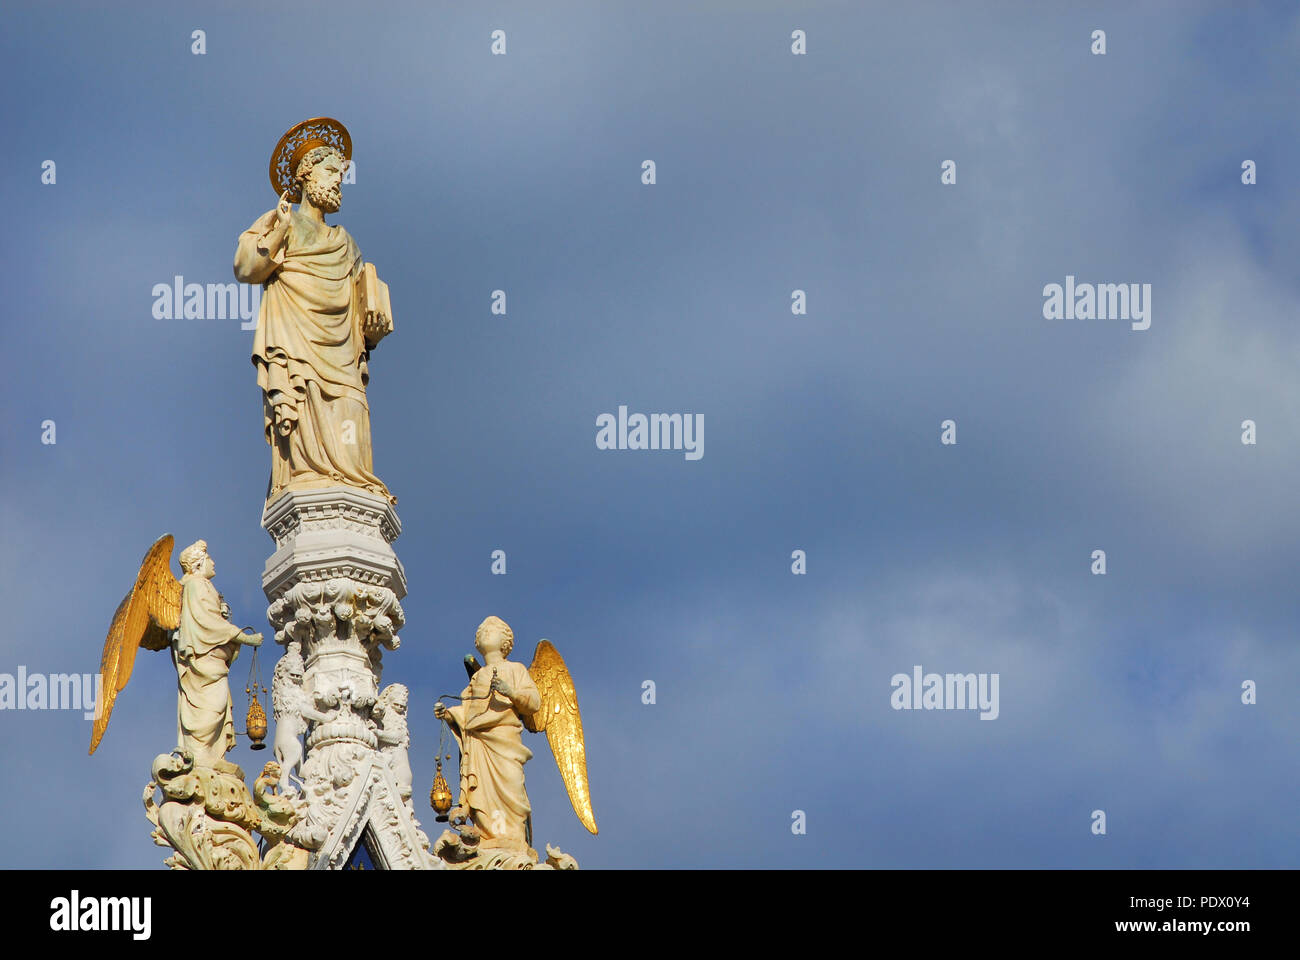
(252, 639)
(284, 209)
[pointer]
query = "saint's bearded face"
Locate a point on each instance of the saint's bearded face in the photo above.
(322, 184)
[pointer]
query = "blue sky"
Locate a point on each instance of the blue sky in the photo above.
(775, 172)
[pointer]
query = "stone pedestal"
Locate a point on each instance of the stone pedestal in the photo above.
(334, 532)
(334, 586)
(208, 817)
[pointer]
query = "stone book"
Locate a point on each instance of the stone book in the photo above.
(372, 308)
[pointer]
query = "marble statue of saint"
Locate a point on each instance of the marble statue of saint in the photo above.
(189, 616)
(318, 321)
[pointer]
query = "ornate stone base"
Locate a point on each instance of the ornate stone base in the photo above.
(208, 816)
(334, 586)
(366, 807)
(333, 533)
(462, 851)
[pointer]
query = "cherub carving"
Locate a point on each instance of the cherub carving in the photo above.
(280, 813)
(394, 739)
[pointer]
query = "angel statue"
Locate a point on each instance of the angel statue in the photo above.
(502, 698)
(189, 617)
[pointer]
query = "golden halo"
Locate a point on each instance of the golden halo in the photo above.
(293, 146)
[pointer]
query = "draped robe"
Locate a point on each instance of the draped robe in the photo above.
(493, 754)
(311, 355)
(205, 649)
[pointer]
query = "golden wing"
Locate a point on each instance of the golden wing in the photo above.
(145, 618)
(559, 717)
